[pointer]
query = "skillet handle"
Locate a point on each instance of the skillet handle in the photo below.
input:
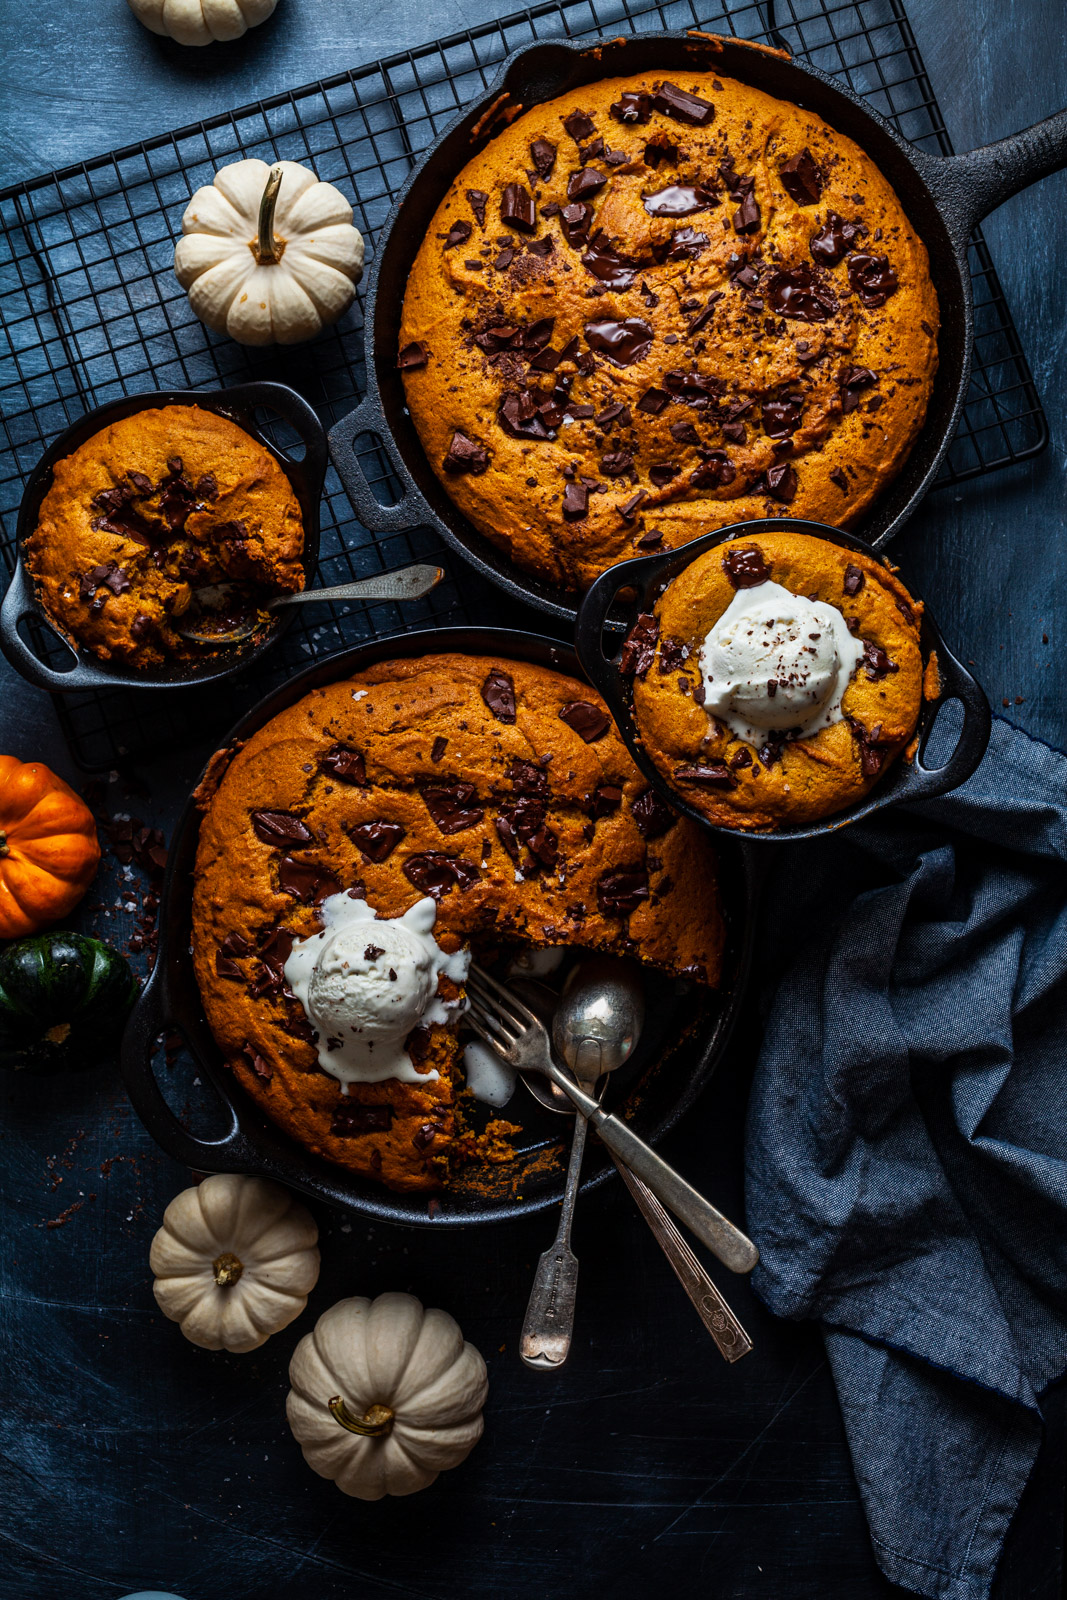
(969, 187)
(603, 670)
(19, 602)
(150, 1018)
(295, 410)
(408, 511)
(956, 684)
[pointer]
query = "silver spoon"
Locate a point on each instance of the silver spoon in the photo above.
(409, 583)
(603, 1001)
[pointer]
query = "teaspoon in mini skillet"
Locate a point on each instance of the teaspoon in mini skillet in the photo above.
(409, 583)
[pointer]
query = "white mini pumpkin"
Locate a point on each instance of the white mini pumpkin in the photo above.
(269, 255)
(234, 1261)
(201, 21)
(385, 1395)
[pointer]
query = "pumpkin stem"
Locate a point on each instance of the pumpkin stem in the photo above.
(376, 1423)
(227, 1269)
(268, 249)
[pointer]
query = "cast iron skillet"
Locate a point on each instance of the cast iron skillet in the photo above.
(239, 404)
(171, 1003)
(648, 576)
(944, 199)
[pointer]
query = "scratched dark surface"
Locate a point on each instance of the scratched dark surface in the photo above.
(128, 1459)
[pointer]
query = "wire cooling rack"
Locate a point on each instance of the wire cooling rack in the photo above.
(91, 309)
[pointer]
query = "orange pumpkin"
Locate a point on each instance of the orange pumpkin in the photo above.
(49, 851)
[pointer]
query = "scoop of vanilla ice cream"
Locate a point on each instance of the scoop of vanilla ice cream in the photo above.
(776, 662)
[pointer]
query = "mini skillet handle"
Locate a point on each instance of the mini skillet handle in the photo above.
(231, 1153)
(970, 186)
(956, 684)
(18, 603)
(370, 511)
(302, 417)
(601, 669)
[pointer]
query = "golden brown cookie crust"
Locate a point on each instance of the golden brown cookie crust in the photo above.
(814, 777)
(118, 593)
(418, 726)
(863, 374)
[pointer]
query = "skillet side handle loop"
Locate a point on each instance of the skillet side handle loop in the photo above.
(408, 511)
(19, 603)
(602, 671)
(302, 417)
(150, 1018)
(956, 684)
(970, 186)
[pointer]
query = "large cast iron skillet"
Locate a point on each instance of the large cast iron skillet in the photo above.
(240, 404)
(687, 1030)
(944, 200)
(644, 580)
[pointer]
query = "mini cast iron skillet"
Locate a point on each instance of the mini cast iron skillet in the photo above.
(944, 198)
(648, 576)
(685, 1035)
(239, 404)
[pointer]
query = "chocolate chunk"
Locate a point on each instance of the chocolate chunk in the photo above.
(875, 662)
(735, 432)
(350, 1119)
(453, 808)
(684, 432)
(782, 483)
(520, 417)
(623, 342)
(714, 471)
(464, 455)
(517, 209)
(746, 276)
(620, 893)
(745, 568)
(795, 292)
(628, 509)
(141, 626)
(800, 178)
(834, 239)
(259, 1065)
(607, 797)
(687, 244)
(498, 692)
(587, 720)
(701, 320)
(632, 107)
(543, 156)
(306, 881)
(413, 355)
(584, 183)
(527, 778)
(652, 815)
(712, 775)
(575, 503)
(661, 472)
(580, 126)
(437, 874)
(500, 336)
(746, 218)
(235, 944)
(376, 840)
(872, 754)
(639, 646)
(678, 200)
(653, 401)
(280, 829)
(672, 655)
(782, 416)
(425, 1135)
(372, 952)
(520, 822)
(694, 388)
(675, 102)
(478, 199)
(617, 463)
(838, 477)
(741, 758)
(226, 967)
(538, 334)
(347, 765)
(503, 261)
(615, 271)
(854, 579)
(440, 745)
(616, 415)
(541, 247)
(576, 219)
(458, 233)
(418, 1044)
(872, 278)
(853, 380)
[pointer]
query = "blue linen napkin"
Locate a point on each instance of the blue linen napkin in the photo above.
(906, 1160)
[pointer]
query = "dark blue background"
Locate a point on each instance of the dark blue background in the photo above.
(128, 1458)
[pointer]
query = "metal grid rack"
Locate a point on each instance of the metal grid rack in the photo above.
(91, 309)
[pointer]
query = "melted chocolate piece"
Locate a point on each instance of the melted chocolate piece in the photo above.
(464, 455)
(517, 209)
(838, 477)
(584, 183)
(715, 471)
(834, 239)
(675, 102)
(875, 662)
(576, 219)
(437, 874)
(376, 840)
(226, 967)
(632, 107)
(347, 765)
(451, 807)
(280, 829)
(306, 881)
(458, 233)
(678, 200)
(580, 126)
(854, 579)
(418, 1044)
(702, 318)
(543, 156)
(713, 775)
(527, 778)
(620, 893)
(661, 473)
(693, 388)
(671, 655)
(109, 576)
(745, 568)
(424, 1136)
(520, 822)
(141, 626)
(872, 754)
(795, 292)
(653, 401)
(783, 416)
(588, 721)
(350, 1119)
(607, 797)
(873, 279)
(575, 504)
(623, 342)
(746, 218)
(782, 483)
(653, 816)
(235, 944)
(498, 692)
(687, 244)
(616, 415)
(628, 509)
(520, 416)
(616, 464)
(800, 178)
(413, 355)
(478, 199)
(613, 269)
(639, 646)
(437, 750)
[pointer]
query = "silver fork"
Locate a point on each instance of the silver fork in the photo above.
(520, 1038)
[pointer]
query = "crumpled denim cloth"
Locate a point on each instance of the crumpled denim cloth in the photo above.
(906, 1159)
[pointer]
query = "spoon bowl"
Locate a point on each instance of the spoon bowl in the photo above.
(229, 613)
